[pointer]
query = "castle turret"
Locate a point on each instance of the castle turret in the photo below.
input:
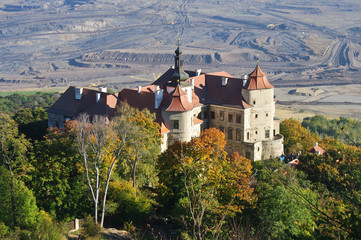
(178, 115)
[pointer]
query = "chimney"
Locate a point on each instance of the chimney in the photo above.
(78, 93)
(192, 83)
(245, 79)
(224, 81)
(158, 98)
(97, 97)
(103, 89)
(139, 89)
(189, 93)
(198, 72)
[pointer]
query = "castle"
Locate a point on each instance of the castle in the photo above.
(186, 102)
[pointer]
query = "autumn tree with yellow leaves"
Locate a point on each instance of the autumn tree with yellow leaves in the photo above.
(103, 144)
(206, 184)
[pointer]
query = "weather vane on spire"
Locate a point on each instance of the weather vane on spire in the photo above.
(178, 41)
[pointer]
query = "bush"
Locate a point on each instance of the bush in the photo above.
(129, 203)
(90, 229)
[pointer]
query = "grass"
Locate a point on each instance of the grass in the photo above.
(32, 91)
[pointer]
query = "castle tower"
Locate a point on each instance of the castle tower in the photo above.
(259, 93)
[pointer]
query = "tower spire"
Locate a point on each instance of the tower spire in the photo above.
(178, 74)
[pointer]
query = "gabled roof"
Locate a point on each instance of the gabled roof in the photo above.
(179, 102)
(144, 99)
(317, 150)
(258, 80)
(230, 94)
(68, 106)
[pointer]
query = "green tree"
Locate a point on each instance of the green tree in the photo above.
(142, 148)
(17, 203)
(57, 178)
(13, 148)
(296, 137)
(32, 122)
(282, 211)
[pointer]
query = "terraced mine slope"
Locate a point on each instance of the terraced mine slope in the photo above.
(122, 43)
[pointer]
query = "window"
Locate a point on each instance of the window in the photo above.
(258, 149)
(267, 133)
(230, 133)
(205, 115)
(221, 116)
(230, 117)
(256, 132)
(238, 135)
(266, 114)
(221, 129)
(274, 132)
(248, 155)
(175, 124)
(254, 102)
(213, 115)
(256, 116)
(238, 118)
(199, 115)
(248, 136)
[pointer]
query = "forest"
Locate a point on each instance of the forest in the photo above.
(113, 175)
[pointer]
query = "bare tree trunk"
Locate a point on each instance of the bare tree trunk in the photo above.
(134, 170)
(106, 191)
(96, 195)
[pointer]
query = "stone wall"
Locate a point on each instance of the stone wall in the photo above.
(272, 148)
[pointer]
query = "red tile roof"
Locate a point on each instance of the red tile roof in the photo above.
(318, 150)
(179, 102)
(230, 94)
(258, 80)
(68, 106)
(144, 99)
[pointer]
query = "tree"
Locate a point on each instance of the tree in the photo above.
(143, 147)
(17, 203)
(296, 137)
(32, 122)
(337, 178)
(97, 143)
(13, 148)
(214, 185)
(103, 143)
(57, 178)
(281, 211)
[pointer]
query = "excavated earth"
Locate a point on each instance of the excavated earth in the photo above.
(125, 43)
